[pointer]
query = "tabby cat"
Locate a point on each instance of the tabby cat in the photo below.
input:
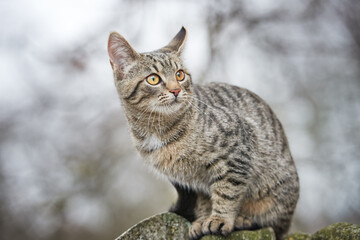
(221, 146)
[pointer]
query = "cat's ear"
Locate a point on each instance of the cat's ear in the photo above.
(177, 43)
(121, 53)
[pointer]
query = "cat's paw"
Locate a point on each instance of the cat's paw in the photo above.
(195, 231)
(217, 225)
(242, 223)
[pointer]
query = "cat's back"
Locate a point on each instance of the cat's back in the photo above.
(232, 107)
(222, 98)
(227, 96)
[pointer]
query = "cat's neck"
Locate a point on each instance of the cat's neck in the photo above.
(151, 124)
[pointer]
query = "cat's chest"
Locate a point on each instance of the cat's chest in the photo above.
(178, 160)
(151, 143)
(160, 151)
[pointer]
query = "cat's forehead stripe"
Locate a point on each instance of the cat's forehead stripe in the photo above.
(162, 58)
(149, 56)
(162, 62)
(155, 67)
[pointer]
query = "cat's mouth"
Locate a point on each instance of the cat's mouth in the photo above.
(171, 106)
(175, 101)
(171, 101)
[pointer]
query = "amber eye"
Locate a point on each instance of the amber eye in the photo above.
(180, 75)
(153, 79)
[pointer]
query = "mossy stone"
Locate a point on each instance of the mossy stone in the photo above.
(343, 231)
(169, 226)
(165, 226)
(298, 236)
(261, 234)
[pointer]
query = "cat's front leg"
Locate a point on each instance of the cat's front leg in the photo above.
(202, 212)
(226, 198)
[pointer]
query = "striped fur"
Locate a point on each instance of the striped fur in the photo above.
(221, 146)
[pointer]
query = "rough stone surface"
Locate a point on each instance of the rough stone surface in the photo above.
(169, 226)
(262, 234)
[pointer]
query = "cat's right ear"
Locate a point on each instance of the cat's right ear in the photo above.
(121, 53)
(177, 43)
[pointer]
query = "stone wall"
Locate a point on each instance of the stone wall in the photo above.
(169, 226)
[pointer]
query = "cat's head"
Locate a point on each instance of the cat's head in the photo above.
(154, 81)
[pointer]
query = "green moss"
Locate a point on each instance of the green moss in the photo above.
(343, 231)
(262, 234)
(298, 236)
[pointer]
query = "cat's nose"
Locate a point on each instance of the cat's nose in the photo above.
(175, 91)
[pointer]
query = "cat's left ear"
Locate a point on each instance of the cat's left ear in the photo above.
(177, 43)
(121, 53)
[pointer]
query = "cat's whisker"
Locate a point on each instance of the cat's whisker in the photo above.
(159, 122)
(168, 109)
(153, 118)
(197, 108)
(153, 123)
(141, 115)
(152, 111)
(188, 100)
(191, 104)
(214, 109)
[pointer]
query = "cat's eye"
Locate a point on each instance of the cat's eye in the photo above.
(153, 79)
(180, 75)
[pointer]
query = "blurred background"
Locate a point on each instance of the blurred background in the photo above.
(68, 169)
